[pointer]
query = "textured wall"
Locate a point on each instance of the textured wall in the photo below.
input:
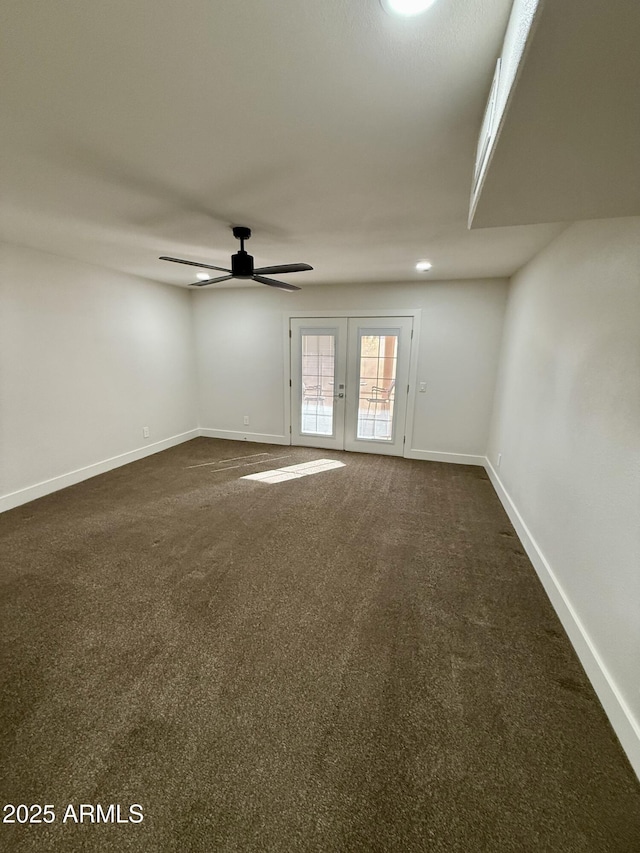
(87, 358)
(243, 357)
(567, 423)
(515, 40)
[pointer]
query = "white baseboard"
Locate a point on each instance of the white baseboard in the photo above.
(233, 435)
(46, 487)
(626, 727)
(438, 456)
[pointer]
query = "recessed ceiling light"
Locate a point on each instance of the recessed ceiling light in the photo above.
(423, 266)
(203, 276)
(406, 7)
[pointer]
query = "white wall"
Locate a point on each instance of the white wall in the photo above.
(567, 423)
(242, 355)
(87, 358)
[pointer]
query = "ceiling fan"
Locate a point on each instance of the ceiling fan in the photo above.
(242, 266)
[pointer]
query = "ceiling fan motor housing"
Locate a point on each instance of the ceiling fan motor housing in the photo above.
(242, 265)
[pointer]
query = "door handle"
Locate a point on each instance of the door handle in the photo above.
(338, 395)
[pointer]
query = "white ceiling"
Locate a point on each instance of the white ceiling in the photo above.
(343, 137)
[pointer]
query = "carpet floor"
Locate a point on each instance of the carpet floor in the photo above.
(362, 659)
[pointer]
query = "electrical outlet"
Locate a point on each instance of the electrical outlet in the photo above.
(146, 432)
(499, 459)
(246, 420)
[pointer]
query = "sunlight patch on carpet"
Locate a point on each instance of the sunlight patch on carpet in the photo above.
(294, 472)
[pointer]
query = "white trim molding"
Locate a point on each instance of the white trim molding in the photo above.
(234, 435)
(440, 456)
(626, 727)
(46, 487)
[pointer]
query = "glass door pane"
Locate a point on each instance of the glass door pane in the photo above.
(318, 379)
(378, 358)
(318, 366)
(377, 366)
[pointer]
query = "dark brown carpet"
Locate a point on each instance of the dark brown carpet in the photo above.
(361, 660)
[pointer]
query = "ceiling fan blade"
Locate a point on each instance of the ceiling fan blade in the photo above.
(211, 281)
(283, 268)
(282, 285)
(194, 264)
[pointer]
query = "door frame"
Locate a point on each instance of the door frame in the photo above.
(414, 313)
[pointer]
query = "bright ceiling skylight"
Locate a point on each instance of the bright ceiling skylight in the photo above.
(406, 8)
(423, 266)
(203, 276)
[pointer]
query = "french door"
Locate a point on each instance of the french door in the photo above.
(349, 381)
